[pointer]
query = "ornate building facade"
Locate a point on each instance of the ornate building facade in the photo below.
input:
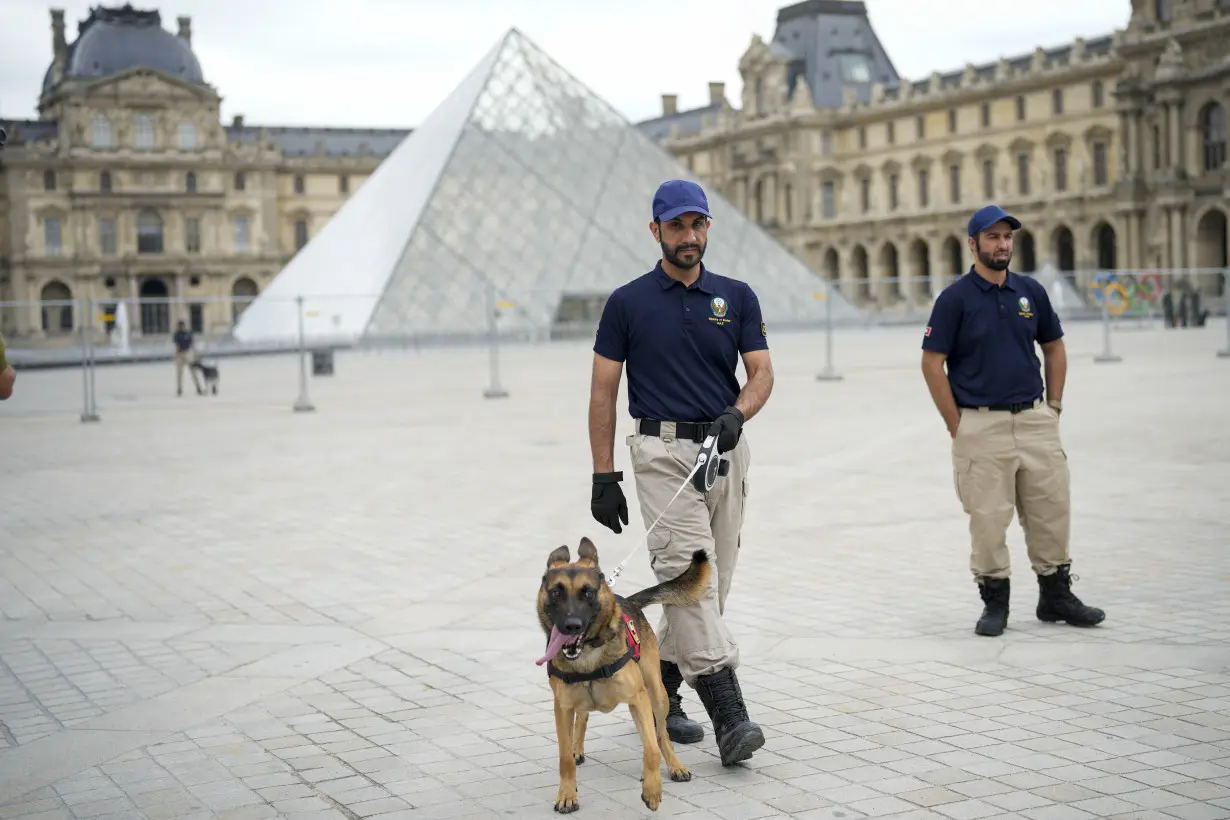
(129, 186)
(1112, 151)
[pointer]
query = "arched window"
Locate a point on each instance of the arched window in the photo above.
(149, 232)
(1213, 135)
(242, 293)
(57, 307)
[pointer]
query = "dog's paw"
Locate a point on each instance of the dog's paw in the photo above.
(681, 775)
(579, 759)
(566, 800)
(652, 800)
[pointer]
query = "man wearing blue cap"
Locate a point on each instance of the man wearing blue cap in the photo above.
(1006, 449)
(682, 328)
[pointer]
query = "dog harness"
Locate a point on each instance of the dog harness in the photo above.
(607, 670)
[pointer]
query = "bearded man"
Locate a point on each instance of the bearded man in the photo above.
(1004, 422)
(682, 329)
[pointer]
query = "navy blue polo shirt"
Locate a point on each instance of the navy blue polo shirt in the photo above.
(681, 344)
(988, 333)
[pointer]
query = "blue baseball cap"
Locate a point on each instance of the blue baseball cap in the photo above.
(987, 216)
(678, 196)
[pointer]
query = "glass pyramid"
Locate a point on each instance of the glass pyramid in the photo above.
(522, 189)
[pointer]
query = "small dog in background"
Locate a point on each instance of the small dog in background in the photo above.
(210, 373)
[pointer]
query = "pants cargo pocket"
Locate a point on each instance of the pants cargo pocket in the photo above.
(659, 542)
(961, 469)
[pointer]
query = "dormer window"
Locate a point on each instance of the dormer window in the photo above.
(854, 68)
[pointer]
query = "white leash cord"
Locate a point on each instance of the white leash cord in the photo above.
(619, 569)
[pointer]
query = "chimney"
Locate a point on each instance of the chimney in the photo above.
(59, 46)
(185, 29)
(237, 121)
(670, 104)
(717, 93)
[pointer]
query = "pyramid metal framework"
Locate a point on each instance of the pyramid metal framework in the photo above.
(522, 187)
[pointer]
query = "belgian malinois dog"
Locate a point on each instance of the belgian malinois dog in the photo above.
(601, 652)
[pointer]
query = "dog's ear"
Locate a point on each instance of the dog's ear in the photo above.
(559, 557)
(587, 551)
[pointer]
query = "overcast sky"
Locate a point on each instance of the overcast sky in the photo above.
(388, 63)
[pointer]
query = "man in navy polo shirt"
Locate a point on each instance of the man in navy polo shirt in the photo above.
(1006, 450)
(681, 329)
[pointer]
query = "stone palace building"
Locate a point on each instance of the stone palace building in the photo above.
(1111, 150)
(130, 186)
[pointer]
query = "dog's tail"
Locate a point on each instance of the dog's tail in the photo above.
(684, 589)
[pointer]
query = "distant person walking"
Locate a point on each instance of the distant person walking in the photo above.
(8, 376)
(1006, 450)
(185, 357)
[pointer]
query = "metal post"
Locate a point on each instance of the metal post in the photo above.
(1225, 291)
(494, 390)
(1107, 355)
(303, 404)
(90, 411)
(828, 374)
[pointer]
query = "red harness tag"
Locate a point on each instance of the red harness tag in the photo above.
(633, 638)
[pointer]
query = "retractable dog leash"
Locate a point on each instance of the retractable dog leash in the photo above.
(709, 465)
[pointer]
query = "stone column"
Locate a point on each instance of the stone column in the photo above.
(940, 274)
(769, 196)
(1138, 142)
(1177, 154)
(134, 306)
(33, 295)
(179, 310)
(847, 277)
(1127, 146)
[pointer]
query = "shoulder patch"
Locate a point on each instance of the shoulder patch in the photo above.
(927, 332)
(763, 330)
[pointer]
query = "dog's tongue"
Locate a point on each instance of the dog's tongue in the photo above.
(554, 646)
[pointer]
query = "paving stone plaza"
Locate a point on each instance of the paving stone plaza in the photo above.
(215, 607)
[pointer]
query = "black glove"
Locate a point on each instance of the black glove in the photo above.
(607, 503)
(727, 427)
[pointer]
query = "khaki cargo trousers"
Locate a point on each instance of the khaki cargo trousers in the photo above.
(184, 360)
(1004, 463)
(694, 637)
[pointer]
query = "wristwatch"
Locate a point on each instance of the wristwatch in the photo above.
(1057, 404)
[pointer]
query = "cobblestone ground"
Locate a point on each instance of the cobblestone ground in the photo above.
(218, 608)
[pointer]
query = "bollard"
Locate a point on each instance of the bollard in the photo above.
(1107, 355)
(1225, 291)
(828, 374)
(89, 412)
(494, 389)
(303, 404)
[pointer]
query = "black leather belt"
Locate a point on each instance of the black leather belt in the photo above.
(685, 430)
(1019, 407)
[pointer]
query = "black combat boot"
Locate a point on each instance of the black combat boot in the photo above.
(1057, 603)
(737, 736)
(679, 727)
(995, 593)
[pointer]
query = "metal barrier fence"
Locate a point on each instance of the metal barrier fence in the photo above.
(90, 333)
